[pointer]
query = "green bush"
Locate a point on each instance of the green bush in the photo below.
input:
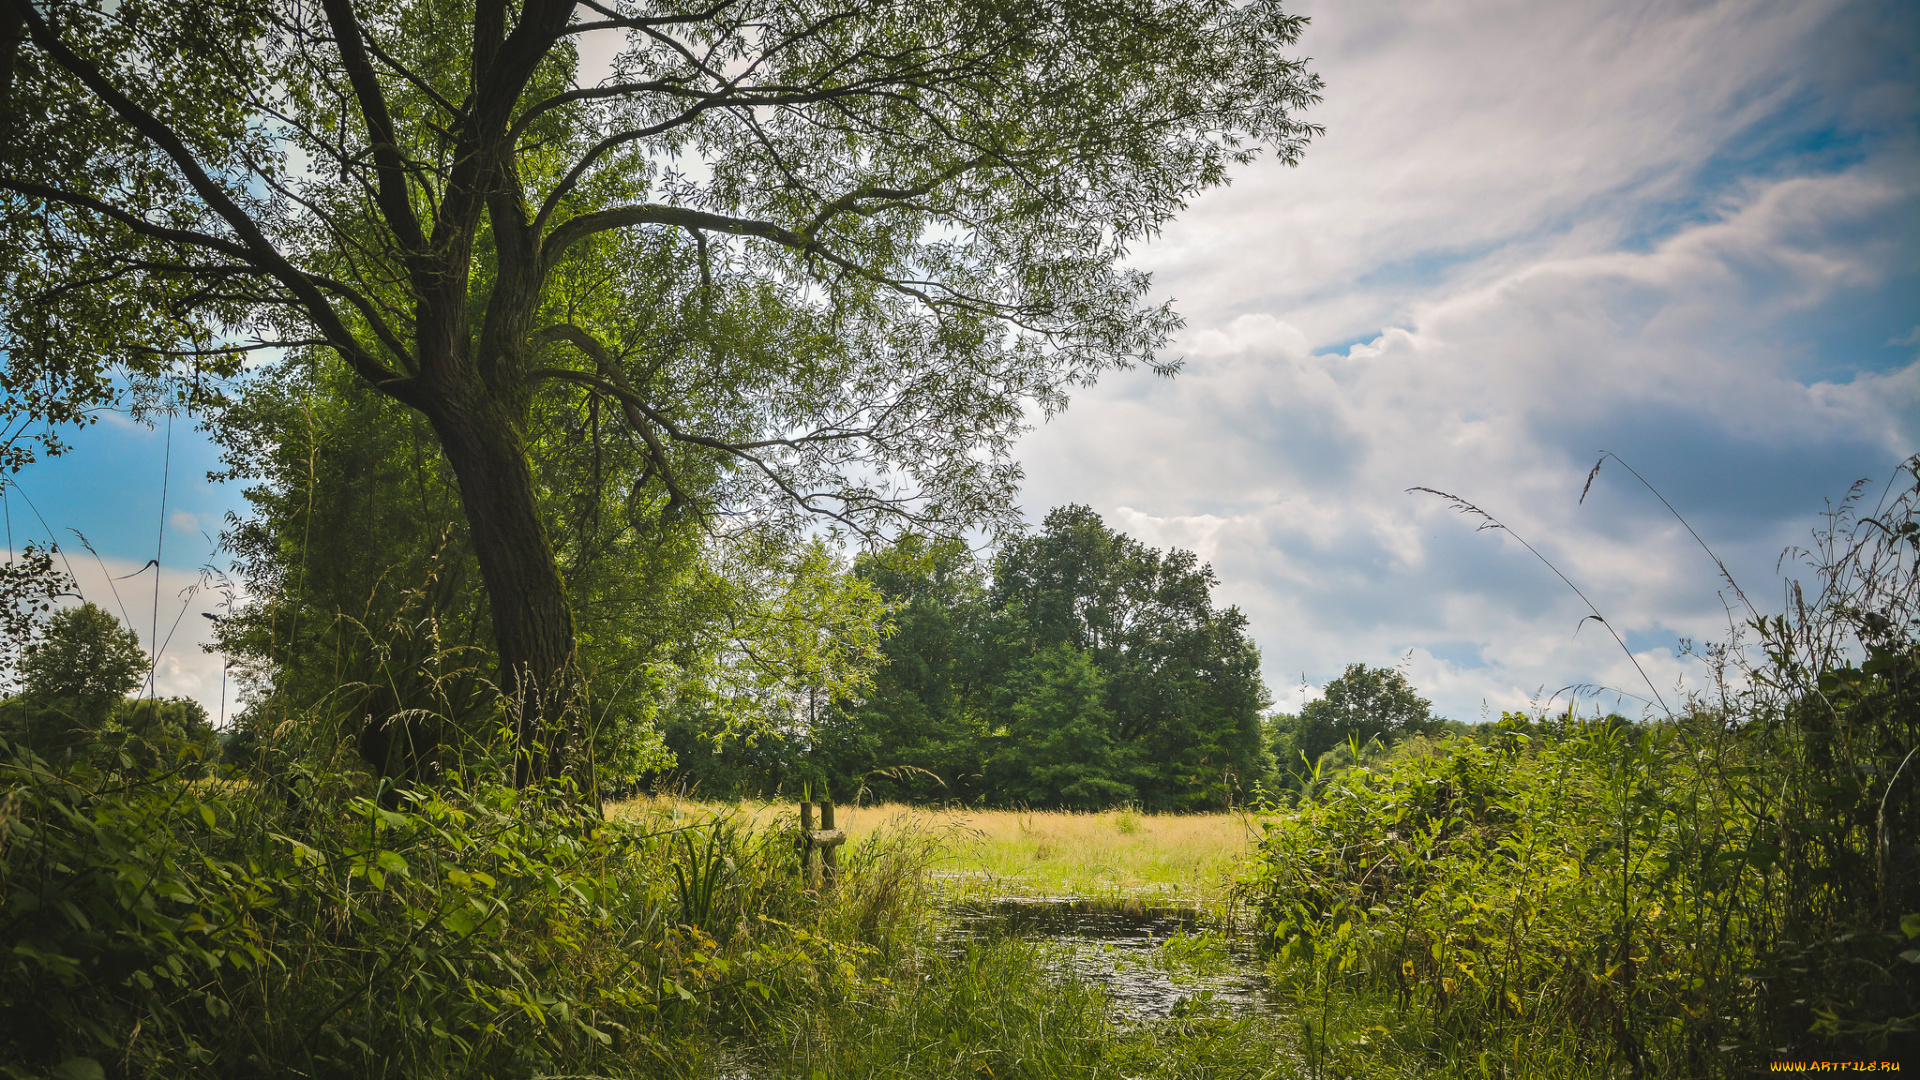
(175, 928)
(1689, 896)
(1589, 903)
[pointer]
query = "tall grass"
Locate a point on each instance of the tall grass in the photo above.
(177, 927)
(1116, 853)
(1001, 1008)
(1687, 896)
(160, 926)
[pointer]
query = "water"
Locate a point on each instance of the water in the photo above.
(1154, 961)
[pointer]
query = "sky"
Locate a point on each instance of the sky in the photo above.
(1685, 233)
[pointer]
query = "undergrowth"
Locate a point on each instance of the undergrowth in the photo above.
(160, 926)
(999, 1008)
(1690, 895)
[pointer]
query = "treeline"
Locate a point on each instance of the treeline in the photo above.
(1077, 668)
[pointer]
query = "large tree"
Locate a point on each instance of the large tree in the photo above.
(814, 256)
(1181, 678)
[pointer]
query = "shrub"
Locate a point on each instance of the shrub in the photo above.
(168, 927)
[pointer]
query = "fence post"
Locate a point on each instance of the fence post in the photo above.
(806, 842)
(829, 853)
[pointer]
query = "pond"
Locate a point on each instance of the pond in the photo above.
(1153, 960)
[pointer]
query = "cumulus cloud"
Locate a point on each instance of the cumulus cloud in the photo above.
(1467, 137)
(1591, 280)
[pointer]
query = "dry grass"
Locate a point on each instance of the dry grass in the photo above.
(1119, 853)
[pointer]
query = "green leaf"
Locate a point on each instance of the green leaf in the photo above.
(79, 1068)
(1911, 924)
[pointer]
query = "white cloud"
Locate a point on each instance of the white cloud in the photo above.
(1465, 138)
(1509, 214)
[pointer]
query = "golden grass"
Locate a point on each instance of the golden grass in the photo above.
(1118, 853)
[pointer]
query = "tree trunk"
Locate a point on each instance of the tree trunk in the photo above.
(532, 621)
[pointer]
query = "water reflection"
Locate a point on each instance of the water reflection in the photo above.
(1153, 960)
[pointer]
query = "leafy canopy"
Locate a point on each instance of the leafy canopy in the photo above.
(85, 658)
(816, 256)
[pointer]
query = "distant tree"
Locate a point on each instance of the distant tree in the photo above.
(839, 251)
(924, 714)
(85, 664)
(1182, 679)
(1057, 747)
(1079, 669)
(765, 708)
(149, 733)
(86, 658)
(1362, 704)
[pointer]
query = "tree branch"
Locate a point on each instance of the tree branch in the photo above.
(256, 248)
(615, 21)
(396, 202)
(418, 83)
(613, 384)
(126, 217)
(613, 388)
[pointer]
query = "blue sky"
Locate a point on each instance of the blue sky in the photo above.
(1688, 233)
(108, 487)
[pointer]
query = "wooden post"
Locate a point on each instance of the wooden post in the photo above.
(829, 853)
(806, 842)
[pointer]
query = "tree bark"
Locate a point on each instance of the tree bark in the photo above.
(532, 620)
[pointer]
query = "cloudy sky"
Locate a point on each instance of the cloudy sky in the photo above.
(1682, 232)
(1687, 233)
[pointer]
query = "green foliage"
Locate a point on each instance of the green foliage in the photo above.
(1595, 898)
(1362, 707)
(1003, 1008)
(1057, 748)
(1079, 669)
(178, 929)
(77, 669)
(29, 587)
(1183, 687)
(905, 228)
(86, 660)
(364, 601)
(921, 729)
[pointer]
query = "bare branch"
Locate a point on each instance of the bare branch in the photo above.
(613, 384)
(131, 220)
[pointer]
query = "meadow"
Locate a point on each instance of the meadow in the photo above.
(1114, 854)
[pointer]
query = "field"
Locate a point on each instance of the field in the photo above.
(1118, 853)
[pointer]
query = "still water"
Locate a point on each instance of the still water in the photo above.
(1154, 961)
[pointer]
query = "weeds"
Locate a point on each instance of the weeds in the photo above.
(166, 927)
(1593, 897)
